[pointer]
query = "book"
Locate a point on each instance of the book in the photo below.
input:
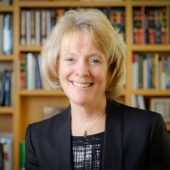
(138, 101)
(30, 71)
(1, 32)
(22, 155)
(7, 35)
(162, 106)
(28, 27)
(6, 139)
(49, 111)
(23, 28)
(37, 28)
(139, 25)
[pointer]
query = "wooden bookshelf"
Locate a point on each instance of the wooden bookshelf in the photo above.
(28, 104)
(6, 110)
(6, 58)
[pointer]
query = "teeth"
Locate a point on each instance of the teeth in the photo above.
(82, 84)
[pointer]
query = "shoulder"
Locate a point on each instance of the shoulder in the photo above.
(45, 126)
(134, 117)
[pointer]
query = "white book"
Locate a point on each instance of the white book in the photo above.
(1, 32)
(37, 28)
(43, 26)
(145, 74)
(133, 101)
(162, 106)
(30, 71)
(23, 27)
(7, 35)
(32, 27)
(140, 101)
(28, 27)
(7, 147)
(135, 68)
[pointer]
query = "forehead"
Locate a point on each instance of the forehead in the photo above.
(77, 40)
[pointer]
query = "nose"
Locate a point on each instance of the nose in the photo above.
(82, 68)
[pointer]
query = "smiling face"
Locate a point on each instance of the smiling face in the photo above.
(82, 70)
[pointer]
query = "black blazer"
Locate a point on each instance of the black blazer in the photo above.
(134, 139)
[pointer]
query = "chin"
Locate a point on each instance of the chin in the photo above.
(80, 101)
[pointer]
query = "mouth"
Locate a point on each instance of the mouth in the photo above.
(82, 85)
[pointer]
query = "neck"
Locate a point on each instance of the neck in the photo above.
(88, 118)
(88, 112)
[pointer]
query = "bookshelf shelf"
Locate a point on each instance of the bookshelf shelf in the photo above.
(41, 93)
(6, 110)
(6, 58)
(152, 92)
(49, 4)
(30, 48)
(152, 48)
(156, 3)
(6, 8)
(48, 93)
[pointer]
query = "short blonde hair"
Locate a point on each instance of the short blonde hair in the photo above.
(104, 36)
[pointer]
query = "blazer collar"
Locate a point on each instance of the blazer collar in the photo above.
(113, 140)
(63, 139)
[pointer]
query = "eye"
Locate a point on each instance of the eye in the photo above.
(94, 61)
(69, 59)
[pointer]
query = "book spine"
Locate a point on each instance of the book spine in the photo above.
(37, 28)
(23, 28)
(22, 155)
(28, 28)
(164, 27)
(1, 32)
(151, 26)
(32, 27)
(22, 71)
(7, 34)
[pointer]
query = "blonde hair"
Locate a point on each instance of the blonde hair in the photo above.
(104, 36)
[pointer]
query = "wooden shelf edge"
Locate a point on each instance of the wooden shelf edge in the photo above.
(41, 93)
(147, 47)
(151, 3)
(6, 110)
(30, 48)
(151, 92)
(6, 58)
(5, 9)
(48, 4)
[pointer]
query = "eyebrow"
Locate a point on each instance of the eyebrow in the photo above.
(89, 55)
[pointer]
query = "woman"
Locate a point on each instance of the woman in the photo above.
(86, 57)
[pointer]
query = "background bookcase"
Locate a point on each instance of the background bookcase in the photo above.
(27, 104)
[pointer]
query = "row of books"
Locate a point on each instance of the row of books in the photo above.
(6, 147)
(6, 34)
(5, 87)
(36, 24)
(159, 105)
(30, 72)
(151, 71)
(151, 25)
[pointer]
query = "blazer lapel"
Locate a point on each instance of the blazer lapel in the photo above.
(113, 140)
(63, 139)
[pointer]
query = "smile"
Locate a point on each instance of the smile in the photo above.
(83, 85)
